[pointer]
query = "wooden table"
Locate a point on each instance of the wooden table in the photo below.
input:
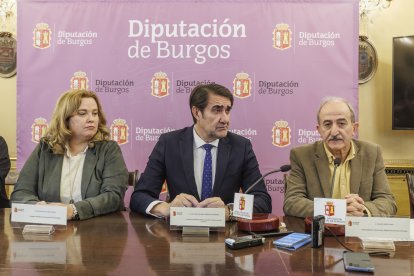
(129, 244)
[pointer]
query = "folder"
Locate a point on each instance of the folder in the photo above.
(293, 241)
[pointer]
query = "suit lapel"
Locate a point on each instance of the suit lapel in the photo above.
(187, 160)
(53, 163)
(88, 169)
(356, 171)
(323, 171)
(223, 155)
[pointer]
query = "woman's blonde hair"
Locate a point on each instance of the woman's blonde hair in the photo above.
(58, 133)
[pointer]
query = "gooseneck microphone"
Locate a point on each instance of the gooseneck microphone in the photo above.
(283, 168)
(337, 161)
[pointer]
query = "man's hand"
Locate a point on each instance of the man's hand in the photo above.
(182, 200)
(212, 202)
(354, 205)
(215, 202)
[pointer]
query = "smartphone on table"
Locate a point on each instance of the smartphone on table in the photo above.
(358, 261)
(244, 241)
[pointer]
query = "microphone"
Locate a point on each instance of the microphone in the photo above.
(283, 168)
(336, 230)
(337, 162)
(261, 222)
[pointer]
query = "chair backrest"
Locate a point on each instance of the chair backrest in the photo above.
(133, 178)
(410, 184)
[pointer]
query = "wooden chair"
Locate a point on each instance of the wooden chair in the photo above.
(410, 184)
(133, 178)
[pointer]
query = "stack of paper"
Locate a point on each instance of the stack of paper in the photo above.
(293, 241)
(375, 245)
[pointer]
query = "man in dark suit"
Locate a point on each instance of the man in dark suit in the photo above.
(4, 170)
(360, 177)
(179, 158)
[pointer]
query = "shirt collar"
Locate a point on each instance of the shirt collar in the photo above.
(68, 154)
(198, 142)
(331, 157)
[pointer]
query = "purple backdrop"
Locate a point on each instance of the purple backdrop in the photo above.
(280, 58)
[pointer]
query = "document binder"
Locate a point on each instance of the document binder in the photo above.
(293, 241)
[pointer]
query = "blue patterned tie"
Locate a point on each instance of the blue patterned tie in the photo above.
(206, 187)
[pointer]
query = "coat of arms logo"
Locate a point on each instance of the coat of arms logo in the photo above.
(329, 209)
(281, 134)
(42, 36)
(8, 49)
(160, 85)
(119, 131)
(79, 81)
(282, 37)
(39, 128)
(242, 203)
(242, 85)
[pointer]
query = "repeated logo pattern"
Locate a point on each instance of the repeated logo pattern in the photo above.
(119, 131)
(42, 36)
(281, 134)
(79, 81)
(282, 37)
(160, 85)
(39, 128)
(242, 85)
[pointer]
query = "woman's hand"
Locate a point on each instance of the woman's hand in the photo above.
(69, 209)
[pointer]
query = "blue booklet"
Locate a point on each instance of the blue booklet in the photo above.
(293, 241)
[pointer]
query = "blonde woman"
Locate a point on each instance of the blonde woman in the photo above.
(75, 164)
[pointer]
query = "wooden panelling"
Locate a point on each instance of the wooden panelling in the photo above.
(398, 184)
(399, 188)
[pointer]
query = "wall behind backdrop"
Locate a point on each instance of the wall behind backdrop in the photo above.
(375, 97)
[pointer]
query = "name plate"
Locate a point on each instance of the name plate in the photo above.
(188, 216)
(395, 229)
(40, 214)
(412, 229)
(334, 210)
(243, 206)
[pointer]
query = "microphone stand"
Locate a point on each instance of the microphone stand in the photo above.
(283, 168)
(337, 162)
(260, 179)
(339, 230)
(261, 222)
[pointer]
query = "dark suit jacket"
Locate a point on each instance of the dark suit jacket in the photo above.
(310, 177)
(103, 185)
(172, 160)
(4, 170)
